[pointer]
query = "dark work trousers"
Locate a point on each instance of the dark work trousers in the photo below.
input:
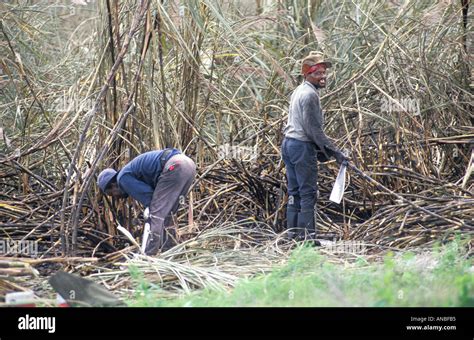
(173, 185)
(301, 172)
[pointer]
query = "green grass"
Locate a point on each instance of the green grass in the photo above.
(441, 277)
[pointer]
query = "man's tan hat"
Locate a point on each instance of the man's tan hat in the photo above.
(314, 58)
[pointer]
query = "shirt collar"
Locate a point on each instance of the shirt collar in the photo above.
(314, 87)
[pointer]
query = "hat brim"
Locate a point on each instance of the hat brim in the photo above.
(328, 64)
(105, 178)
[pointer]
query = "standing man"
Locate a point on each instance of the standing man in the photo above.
(304, 144)
(157, 179)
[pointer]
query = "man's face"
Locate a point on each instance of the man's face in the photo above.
(114, 190)
(318, 77)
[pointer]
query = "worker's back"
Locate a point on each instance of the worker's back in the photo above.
(146, 167)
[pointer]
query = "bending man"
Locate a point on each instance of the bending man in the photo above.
(157, 179)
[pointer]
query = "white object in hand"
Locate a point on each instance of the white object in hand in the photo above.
(338, 188)
(146, 233)
(146, 213)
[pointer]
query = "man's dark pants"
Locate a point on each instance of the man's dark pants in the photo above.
(173, 185)
(302, 173)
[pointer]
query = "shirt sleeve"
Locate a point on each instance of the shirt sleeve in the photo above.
(313, 125)
(139, 190)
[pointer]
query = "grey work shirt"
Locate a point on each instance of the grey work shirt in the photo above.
(305, 118)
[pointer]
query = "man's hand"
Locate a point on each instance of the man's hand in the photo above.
(146, 213)
(340, 157)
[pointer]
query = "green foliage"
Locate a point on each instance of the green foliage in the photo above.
(441, 277)
(146, 293)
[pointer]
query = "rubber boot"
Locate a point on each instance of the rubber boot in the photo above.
(291, 220)
(306, 227)
(153, 243)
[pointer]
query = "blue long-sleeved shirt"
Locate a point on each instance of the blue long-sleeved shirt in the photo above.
(138, 178)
